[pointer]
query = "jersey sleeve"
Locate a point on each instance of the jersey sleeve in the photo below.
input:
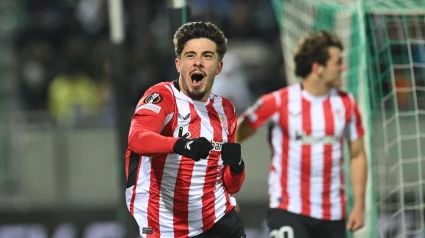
(261, 111)
(152, 113)
(355, 128)
(157, 102)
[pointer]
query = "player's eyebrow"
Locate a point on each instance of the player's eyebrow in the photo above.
(205, 52)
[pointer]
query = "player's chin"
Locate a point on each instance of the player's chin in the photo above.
(197, 94)
(337, 83)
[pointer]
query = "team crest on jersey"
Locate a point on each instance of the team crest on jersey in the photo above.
(339, 113)
(224, 124)
(153, 98)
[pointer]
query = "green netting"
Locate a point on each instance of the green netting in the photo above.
(397, 80)
(385, 53)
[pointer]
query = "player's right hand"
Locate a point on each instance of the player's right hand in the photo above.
(195, 148)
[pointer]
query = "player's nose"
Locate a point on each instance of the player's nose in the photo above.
(198, 61)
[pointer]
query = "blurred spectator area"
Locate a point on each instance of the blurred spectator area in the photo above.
(56, 77)
(62, 37)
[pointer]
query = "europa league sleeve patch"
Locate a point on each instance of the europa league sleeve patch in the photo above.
(153, 98)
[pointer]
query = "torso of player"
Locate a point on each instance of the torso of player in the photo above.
(211, 119)
(175, 195)
(306, 135)
(316, 122)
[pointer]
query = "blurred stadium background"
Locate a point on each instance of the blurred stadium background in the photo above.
(67, 92)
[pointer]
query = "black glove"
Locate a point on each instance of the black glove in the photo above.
(232, 156)
(196, 148)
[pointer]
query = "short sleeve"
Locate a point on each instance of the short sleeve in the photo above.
(355, 128)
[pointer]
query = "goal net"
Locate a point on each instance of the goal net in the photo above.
(385, 52)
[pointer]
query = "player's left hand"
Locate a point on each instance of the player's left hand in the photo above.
(231, 155)
(355, 220)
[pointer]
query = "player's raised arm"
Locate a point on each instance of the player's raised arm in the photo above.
(149, 118)
(256, 115)
(153, 113)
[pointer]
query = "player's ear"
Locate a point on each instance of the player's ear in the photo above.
(219, 67)
(317, 68)
(178, 65)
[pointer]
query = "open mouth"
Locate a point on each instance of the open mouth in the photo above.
(197, 78)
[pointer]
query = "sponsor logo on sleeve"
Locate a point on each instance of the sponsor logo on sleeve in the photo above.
(153, 98)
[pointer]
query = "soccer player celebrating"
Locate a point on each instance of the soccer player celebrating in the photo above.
(182, 161)
(308, 124)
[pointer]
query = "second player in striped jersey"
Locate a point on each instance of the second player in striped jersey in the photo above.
(308, 124)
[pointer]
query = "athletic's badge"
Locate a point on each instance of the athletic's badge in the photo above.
(153, 98)
(224, 125)
(339, 113)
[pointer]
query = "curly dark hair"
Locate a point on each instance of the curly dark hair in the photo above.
(195, 30)
(314, 48)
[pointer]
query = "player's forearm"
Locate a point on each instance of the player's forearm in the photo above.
(358, 179)
(144, 137)
(145, 142)
(233, 181)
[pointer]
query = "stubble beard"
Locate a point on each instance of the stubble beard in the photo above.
(195, 94)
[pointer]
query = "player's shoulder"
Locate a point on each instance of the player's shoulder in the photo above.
(226, 103)
(162, 87)
(278, 95)
(341, 92)
(344, 94)
(158, 92)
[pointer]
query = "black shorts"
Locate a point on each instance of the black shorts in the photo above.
(284, 224)
(229, 226)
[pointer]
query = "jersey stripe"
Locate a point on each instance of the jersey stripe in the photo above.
(317, 162)
(182, 187)
(133, 196)
(306, 158)
(154, 188)
(198, 183)
(208, 212)
(341, 182)
(347, 106)
(327, 163)
(284, 122)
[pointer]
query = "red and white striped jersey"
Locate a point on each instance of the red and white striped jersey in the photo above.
(307, 135)
(174, 196)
